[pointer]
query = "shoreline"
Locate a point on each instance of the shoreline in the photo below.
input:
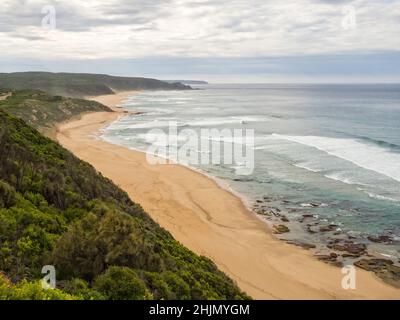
(211, 220)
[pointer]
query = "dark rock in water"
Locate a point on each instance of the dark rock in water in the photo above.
(243, 179)
(380, 239)
(333, 241)
(331, 227)
(306, 245)
(352, 248)
(263, 212)
(348, 255)
(303, 245)
(284, 219)
(337, 247)
(279, 229)
(276, 214)
(259, 201)
(383, 268)
(324, 257)
(338, 264)
(330, 259)
(371, 264)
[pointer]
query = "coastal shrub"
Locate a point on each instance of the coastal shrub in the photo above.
(119, 283)
(80, 288)
(94, 243)
(48, 109)
(158, 287)
(25, 290)
(7, 195)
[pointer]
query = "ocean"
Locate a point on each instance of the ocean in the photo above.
(324, 155)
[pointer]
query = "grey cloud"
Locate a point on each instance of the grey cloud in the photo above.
(29, 37)
(199, 28)
(73, 18)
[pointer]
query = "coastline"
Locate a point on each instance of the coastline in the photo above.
(212, 221)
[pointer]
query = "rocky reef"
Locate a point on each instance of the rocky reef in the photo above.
(330, 244)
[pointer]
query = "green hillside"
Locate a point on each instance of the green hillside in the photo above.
(56, 209)
(81, 84)
(41, 110)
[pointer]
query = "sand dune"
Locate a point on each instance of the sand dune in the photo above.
(213, 222)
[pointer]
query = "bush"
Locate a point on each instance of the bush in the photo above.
(121, 283)
(79, 287)
(92, 244)
(7, 195)
(158, 286)
(30, 291)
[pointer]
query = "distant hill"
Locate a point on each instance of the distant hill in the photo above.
(81, 84)
(187, 81)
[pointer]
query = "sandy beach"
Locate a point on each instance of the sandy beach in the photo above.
(212, 221)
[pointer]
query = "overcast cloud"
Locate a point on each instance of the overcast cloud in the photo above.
(202, 29)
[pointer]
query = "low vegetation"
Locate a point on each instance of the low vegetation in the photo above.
(42, 110)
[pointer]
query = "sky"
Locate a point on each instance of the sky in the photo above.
(213, 40)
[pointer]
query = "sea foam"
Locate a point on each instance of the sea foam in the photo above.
(378, 159)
